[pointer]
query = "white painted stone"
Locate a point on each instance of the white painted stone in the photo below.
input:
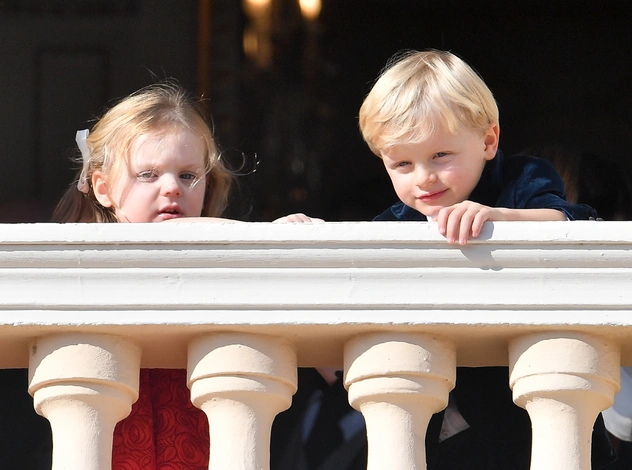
(563, 379)
(241, 382)
(83, 384)
(398, 381)
(317, 286)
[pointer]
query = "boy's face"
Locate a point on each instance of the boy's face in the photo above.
(441, 171)
(164, 179)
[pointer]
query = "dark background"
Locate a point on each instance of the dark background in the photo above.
(560, 71)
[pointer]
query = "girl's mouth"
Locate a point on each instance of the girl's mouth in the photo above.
(170, 213)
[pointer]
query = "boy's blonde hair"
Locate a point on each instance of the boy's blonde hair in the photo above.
(163, 108)
(421, 92)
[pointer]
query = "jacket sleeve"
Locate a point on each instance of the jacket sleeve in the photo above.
(533, 183)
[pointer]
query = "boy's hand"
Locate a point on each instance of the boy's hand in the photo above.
(296, 218)
(463, 220)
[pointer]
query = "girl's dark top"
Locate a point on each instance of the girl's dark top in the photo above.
(499, 436)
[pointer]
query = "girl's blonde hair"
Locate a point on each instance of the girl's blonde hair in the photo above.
(163, 107)
(419, 93)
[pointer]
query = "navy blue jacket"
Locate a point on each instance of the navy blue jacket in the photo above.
(499, 436)
(516, 182)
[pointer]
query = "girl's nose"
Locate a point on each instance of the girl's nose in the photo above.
(170, 185)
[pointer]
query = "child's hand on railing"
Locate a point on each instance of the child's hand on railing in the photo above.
(297, 218)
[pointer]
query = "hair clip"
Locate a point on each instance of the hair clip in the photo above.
(80, 138)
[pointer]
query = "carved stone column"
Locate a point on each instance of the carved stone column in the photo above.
(241, 382)
(563, 380)
(83, 384)
(398, 381)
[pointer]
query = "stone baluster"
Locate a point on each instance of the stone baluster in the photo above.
(398, 381)
(83, 384)
(563, 380)
(241, 382)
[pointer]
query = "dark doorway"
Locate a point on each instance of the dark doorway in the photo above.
(561, 74)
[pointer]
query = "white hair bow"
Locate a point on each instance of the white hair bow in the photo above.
(80, 138)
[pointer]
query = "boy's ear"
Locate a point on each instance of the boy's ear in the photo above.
(100, 188)
(492, 136)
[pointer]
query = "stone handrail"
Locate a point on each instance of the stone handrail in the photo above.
(84, 306)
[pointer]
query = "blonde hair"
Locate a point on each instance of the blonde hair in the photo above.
(163, 107)
(419, 93)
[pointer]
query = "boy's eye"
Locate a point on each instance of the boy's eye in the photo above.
(440, 154)
(402, 164)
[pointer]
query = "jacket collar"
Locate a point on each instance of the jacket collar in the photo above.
(489, 186)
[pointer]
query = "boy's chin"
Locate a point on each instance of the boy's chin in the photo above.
(430, 212)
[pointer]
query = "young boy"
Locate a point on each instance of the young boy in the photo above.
(434, 123)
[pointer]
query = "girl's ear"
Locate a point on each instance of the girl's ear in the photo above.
(100, 188)
(492, 137)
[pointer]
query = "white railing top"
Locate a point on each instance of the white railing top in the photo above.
(316, 284)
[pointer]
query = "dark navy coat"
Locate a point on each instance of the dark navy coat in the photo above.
(515, 182)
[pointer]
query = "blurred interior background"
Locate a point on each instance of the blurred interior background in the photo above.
(284, 80)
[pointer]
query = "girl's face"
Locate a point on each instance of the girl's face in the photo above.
(164, 179)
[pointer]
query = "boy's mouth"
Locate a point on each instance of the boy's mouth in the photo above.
(432, 196)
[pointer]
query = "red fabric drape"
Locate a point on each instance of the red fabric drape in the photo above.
(164, 431)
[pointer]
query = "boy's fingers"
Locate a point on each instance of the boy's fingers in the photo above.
(467, 221)
(453, 226)
(477, 225)
(483, 216)
(442, 219)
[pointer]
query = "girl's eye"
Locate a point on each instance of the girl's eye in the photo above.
(440, 154)
(188, 176)
(146, 175)
(402, 164)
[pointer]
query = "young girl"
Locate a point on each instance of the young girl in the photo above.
(124, 152)
(152, 158)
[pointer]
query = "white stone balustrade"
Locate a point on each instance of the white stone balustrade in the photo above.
(84, 384)
(398, 381)
(241, 381)
(84, 306)
(563, 379)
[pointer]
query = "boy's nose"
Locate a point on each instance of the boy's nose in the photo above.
(424, 176)
(170, 186)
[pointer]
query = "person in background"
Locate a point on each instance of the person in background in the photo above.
(618, 420)
(320, 431)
